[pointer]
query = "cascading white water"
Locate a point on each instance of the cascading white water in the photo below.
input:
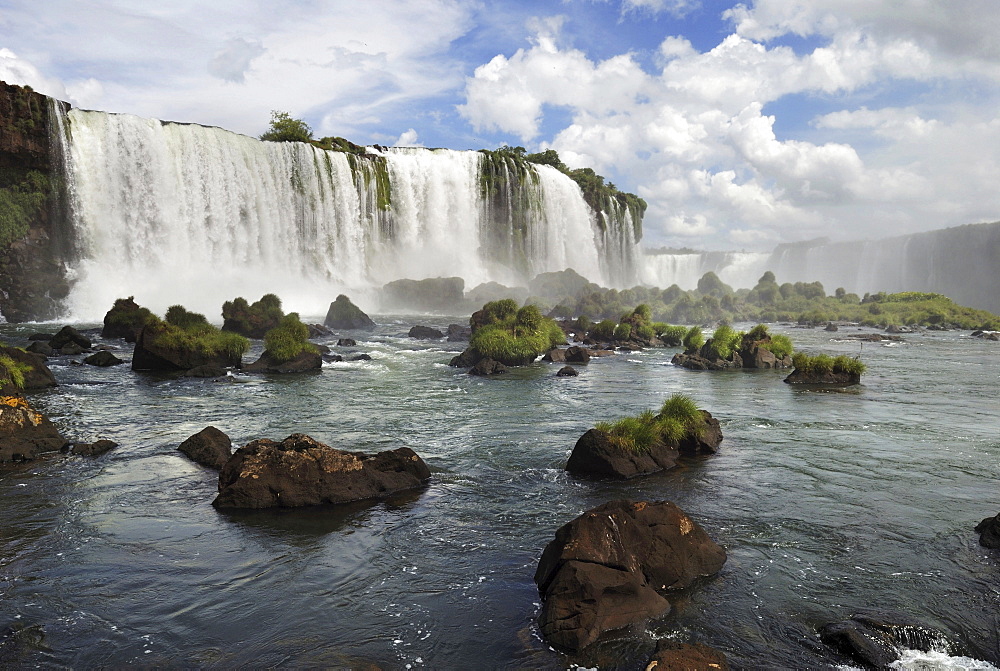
(193, 215)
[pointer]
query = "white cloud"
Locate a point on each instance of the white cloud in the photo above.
(15, 70)
(233, 61)
(408, 139)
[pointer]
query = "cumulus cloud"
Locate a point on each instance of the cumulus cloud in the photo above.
(233, 61)
(16, 70)
(408, 139)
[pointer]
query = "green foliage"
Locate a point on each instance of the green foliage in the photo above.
(846, 364)
(252, 320)
(678, 417)
(823, 363)
(672, 336)
(711, 284)
(681, 408)
(13, 371)
(693, 339)
(289, 339)
(513, 336)
(723, 342)
(178, 315)
(780, 345)
(758, 332)
(644, 314)
(23, 197)
(623, 332)
(603, 330)
(124, 315)
(285, 128)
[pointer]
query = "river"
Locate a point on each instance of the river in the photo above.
(827, 502)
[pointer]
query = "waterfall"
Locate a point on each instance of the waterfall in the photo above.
(186, 214)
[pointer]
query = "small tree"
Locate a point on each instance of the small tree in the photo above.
(284, 128)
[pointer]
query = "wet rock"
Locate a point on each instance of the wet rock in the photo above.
(705, 440)
(576, 354)
(154, 353)
(347, 342)
(301, 471)
(606, 568)
(876, 640)
(40, 347)
(70, 349)
(318, 331)
(555, 356)
(459, 333)
(68, 335)
(672, 655)
(304, 361)
(486, 367)
(343, 314)
(208, 370)
(125, 319)
(209, 447)
(989, 530)
(94, 449)
(425, 333)
(467, 359)
(828, 378)
(36, 375)
(103, 358)
(43, 337)
(332, 358)
(567, 371)
(831, 327)
(25, 433)
(361, 357)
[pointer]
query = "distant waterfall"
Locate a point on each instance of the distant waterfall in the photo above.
(177, 213)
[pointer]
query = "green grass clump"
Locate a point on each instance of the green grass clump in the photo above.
(13, 371)
(252, 320)
(679, 416)
(289, 339)
(672, 336)
(190, 331)
(178, 315)
(513, 336)
(780, 346)
(693, 339)
(125, 314)
(822, 364)
(724, 341)
(603, 330)
(846, 364)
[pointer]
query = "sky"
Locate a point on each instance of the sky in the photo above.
(742, 125)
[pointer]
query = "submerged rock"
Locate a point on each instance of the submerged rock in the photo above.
(25, 433)
(671, 655)
(343, 314)
(485, 367)
(606, 568)
(94, 449)
(567, 371)
(301, 471)
(989, 530)
(876, 640)
(209, 447)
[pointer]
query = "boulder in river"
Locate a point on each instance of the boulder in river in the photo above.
(425, 333)
(157, 349)
(671, 655)
(343, 314)
(125, 319)
(306, 360)
(989, 532)
(209, 447)
(301, 471)
(103, 359)
(486, 367)
(567, 371)
(608, 567)
(29, 372)
(67, 335)
(25, 433)
(94, 449)
(875, 640)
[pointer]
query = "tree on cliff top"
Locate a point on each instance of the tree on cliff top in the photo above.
(284, 128)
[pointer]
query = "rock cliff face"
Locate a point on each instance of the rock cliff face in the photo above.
(32, 231)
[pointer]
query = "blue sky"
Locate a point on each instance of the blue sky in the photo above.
(743, 125)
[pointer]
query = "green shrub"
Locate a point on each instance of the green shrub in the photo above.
(693, 339)
(723, 341)
(285, 128)
(515, 337)
(780, 345)
(623, 332)
(501, 310)
(846, 364)
(672, 336)
(177, 315)
(645, 332)
(289, 339)
(678, 417)
(681, 408)
(252, 320)
(13, 371)
(758, 332)
(603, 330)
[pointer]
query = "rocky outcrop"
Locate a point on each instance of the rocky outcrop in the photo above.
(989, 530)
(209, 447)
(425, 333)
(34, 374)
(301, 471)
(25, 433)
(486, 367)
(32, 274)
(608, 567)
(828, 378)
(347, 342)
(555, 356)
(95, 449)
(305, 360)
(103, 359)
(69, 335)
(343, 314)
(874, 641)
(459, 333)
(153, 353)
(673, 655)
(125, 319)
(468, 358)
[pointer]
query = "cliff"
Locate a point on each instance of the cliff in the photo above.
(32, 279)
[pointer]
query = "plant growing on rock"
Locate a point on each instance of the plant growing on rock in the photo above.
(513, 336)
(190, 331)
(678, 417)
(693, 339)
(289, 339)
(13, 372)
(252, 320)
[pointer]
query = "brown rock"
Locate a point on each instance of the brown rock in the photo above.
(301, 471)
(595, 454)
(25, 433)
(209, 447)
(304, 361)
(674, 656)
(989, 530)
(486, 367)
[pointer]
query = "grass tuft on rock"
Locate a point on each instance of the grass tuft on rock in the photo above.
(289, 339)
(679, 417)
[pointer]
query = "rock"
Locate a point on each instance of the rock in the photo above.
(893, 328)
(425, 333)
(40, 347)
(989, 530)
(431, 294)
(208, 370)
(576, 354)
(152, 354)
(25, 433)
(37, 375)
(459, 333)
(605, 569)
(467, 359)
(94, 449)
(318, 331)
(555, 355)
(671, 655)
(704, 441)
(831, 327)
(876, 640)
(67, 335)
(300, 471)
(332, 358)
(209, 447)
(595, 454)
(347, 342)
(485, 367)
(103, 359)
(45, 337)
(70, 349)
(567, 371)
(361, 357)
(125, 319)
(305, 361)
(829, 378)
(756, 356)
(343, 314)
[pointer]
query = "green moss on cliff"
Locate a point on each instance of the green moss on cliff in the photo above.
(23, 197)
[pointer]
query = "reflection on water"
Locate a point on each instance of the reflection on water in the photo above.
(828, 503)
